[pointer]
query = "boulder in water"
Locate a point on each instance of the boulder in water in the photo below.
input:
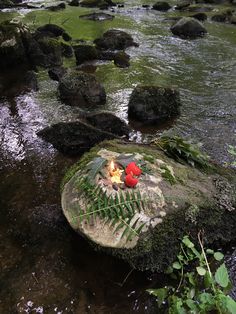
(171, 200)
(115, 40)
(161, 6)
(188, 27)
(150, 104)
(121, 59)
(200, 16)
(12, 44)
(85, 53)
(108, 122)
(74, 138)
(81, 89)
(57, 73)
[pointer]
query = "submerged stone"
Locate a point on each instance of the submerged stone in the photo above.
(179, 200)
(97, 16)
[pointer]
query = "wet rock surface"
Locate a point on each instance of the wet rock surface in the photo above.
(97, 16)
(200, 16)
(12, 44)
(85, 53)
(74, 138)
(188, 27)
(106, 121)
(196, 200)
(161, 6)
(121, 59)
(102, 4)
(115, 40)
(150, 104)
(57, 73)
(81, 89)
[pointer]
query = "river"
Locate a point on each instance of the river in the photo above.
(45, 266)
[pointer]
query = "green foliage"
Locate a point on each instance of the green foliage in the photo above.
(182, 151)
(118, 212)
(199, 289)
(94, 167)
(167, 174)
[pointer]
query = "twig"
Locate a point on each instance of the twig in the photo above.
(127, 276)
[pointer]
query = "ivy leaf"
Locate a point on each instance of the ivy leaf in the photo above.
(231, 305)
(191, 304)
(176, 265)
(218, 256)
(221, 276)
(201, 271)
(206, 298)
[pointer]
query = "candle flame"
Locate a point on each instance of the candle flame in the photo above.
(115, 173)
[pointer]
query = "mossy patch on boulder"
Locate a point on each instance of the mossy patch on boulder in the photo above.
(182, 201)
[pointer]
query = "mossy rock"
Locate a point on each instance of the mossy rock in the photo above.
(12, 46)
(181, 200)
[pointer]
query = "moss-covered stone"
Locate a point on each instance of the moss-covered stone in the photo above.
(196, 201)
(12, 46)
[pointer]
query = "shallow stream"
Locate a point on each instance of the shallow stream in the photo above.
(45, 266)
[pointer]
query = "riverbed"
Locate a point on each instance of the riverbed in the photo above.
(45, 266)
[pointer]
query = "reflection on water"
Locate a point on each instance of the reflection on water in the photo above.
(45, 266)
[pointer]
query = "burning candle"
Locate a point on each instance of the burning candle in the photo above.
(115, 173)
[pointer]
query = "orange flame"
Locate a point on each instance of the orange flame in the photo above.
(115, 173)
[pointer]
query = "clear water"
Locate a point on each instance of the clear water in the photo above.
(45, 266)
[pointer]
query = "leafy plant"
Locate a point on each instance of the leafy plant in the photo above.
(119, 211)
(199, 289)
(182, 151)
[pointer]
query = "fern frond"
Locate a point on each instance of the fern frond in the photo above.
(117, 211)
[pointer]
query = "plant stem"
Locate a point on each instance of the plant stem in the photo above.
(209, 270)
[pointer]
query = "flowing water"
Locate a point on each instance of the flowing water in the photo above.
(45, 266)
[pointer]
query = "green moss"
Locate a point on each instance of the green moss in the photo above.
(50, 42)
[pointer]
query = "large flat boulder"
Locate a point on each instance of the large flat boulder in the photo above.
(143, 225)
